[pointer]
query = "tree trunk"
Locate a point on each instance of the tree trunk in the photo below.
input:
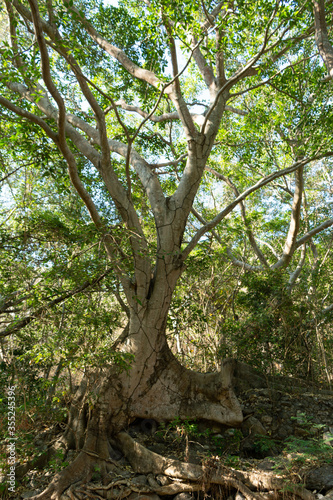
(160, 388)
(156, 386)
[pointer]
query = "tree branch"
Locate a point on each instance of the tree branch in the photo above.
(241, 263)
(17, 326)
(220, 72)
(126, 209)
(313, 232)
(13, 34)
(241, 73)
(248, 229)
(327, 310)
(29, 116)
(176, 96)
(61, 138)
(263, 182)
(135, 70)
(321, 35)
(204, 68)
(169, 163)
(293, 276)
(197, 118)
(290, 243)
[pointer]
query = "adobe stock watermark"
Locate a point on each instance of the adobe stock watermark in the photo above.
(11, 453)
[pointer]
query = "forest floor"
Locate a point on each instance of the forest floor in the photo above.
(286, 440)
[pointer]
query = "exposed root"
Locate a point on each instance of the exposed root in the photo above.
(78, 470)
(267, 481)
(182, 477)
(122, 488)
(144, 461)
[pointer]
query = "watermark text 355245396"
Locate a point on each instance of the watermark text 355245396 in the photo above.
(11, 452)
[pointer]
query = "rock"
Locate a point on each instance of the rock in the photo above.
(300, 432)
(320, 479)
(314, 430)
(21, 470)
(266, 465)
(152, 482)
(284, 432)
(329, 495)
(29, 494)
(246, 377)
(162, 480)
(183, 496)
(140, 480)
(143, 496)
(266, 420)
(250, 449)
(252, 426)
(230, 433)
(239, 496)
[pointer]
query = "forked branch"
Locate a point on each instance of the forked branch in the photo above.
(214, 222)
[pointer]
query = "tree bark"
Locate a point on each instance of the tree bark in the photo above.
(156, 386)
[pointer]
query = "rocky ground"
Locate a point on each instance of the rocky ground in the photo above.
(286, 440)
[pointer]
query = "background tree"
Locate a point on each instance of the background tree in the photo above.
(143, 147)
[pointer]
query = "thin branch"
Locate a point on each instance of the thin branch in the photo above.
(327, 310)
(135, 70)
(18, 325)
(276, 255)
(203, 66)
(61, 141)
(29, 116)
(197, 118)
(313, 232)
(241, 263)
(177, 97)
(136, 109)
(263, 182)
(248, 229)
(13, 34)
(231, 258)
(11, 173)
(270, 79)
(169, 163)
(238, 75)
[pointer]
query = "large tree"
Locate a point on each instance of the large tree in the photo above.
(144, 101)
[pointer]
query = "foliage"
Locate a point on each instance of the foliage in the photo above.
(50, 226)
(308, 450)
(88, 228)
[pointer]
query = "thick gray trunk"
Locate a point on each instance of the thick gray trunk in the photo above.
(158, 387)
